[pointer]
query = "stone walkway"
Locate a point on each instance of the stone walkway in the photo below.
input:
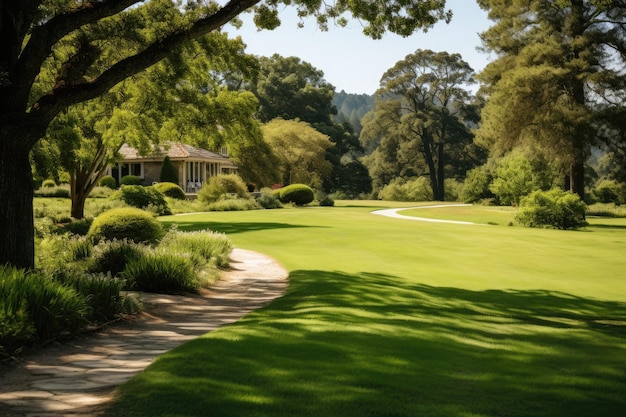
(78, 378)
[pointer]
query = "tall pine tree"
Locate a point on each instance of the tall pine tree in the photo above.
(558, 81)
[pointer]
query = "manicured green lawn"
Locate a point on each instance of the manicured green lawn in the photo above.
(392, 317)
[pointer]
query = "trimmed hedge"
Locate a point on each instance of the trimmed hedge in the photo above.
(131, 180)
(299, 194)
(108, 181)
(170, 189)
(126, 223)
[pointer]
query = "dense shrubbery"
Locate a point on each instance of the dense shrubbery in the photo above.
(298, 194)
(610, 191)
(222, 185)
(417, 189)
(111, 256)
(170, 189)
(268, 200)
(131, 180)
(126, 223)
(161, 272)
(108, 181)
(144, 198)
(169, 173)
(48, 184)
(555, 208)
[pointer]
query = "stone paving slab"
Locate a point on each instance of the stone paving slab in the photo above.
(77, 378)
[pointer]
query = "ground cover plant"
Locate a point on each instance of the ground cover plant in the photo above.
(393, 317)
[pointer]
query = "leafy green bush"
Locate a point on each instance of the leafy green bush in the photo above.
(144, 198)
(108, 181)
(555, 208)
(299, 194)
(48, 184)
(111, 257)
(41, 304)
(211, 246)
(476, 186)
(268, 200)
(162, 273)
(126, 223)
(171, 190)
(168, 171)
(131, 180)
(221, 185)
(417, 189)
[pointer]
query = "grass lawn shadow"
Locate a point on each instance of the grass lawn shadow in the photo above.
(368, 344)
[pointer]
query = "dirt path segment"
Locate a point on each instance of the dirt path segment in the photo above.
(77, 378)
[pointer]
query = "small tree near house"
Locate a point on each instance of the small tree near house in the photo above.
(168, 171)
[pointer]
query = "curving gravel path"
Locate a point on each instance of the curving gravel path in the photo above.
(78, 378)
(394, 213)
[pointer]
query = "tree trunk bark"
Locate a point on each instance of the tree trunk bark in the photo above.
(79, 196)
(17, 242)
(441, 196)
(577, 178)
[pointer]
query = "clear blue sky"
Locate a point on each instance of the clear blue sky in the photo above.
(355, 63)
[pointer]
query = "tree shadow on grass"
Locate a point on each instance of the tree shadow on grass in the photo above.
(231, 227)
(376, 345)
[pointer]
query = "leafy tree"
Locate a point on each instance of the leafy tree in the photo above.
(300, 150)
(558, 80)
(352, 107)
(291, 89)
(68, 36)
(423, 109)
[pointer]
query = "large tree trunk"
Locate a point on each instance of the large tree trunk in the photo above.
(17, 243)
(441, 192)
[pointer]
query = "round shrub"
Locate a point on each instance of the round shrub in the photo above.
(112, 256)
(126, 223)
(555, 208)
(171, 190)
(221, 185)
(131, 180)
(48, 184)
(143, 198)
(299, 194)
(108, 181)
(162, 273)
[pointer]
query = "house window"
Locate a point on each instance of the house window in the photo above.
(121, 170)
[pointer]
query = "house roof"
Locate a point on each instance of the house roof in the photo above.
(175, 150)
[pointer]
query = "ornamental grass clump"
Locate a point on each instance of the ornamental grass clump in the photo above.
(111, 257)
(221, 185)
(214, 248)
(42, 309)
(162, 273)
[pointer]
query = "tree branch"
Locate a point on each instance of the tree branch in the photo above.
(50, 105)
(44, 37)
